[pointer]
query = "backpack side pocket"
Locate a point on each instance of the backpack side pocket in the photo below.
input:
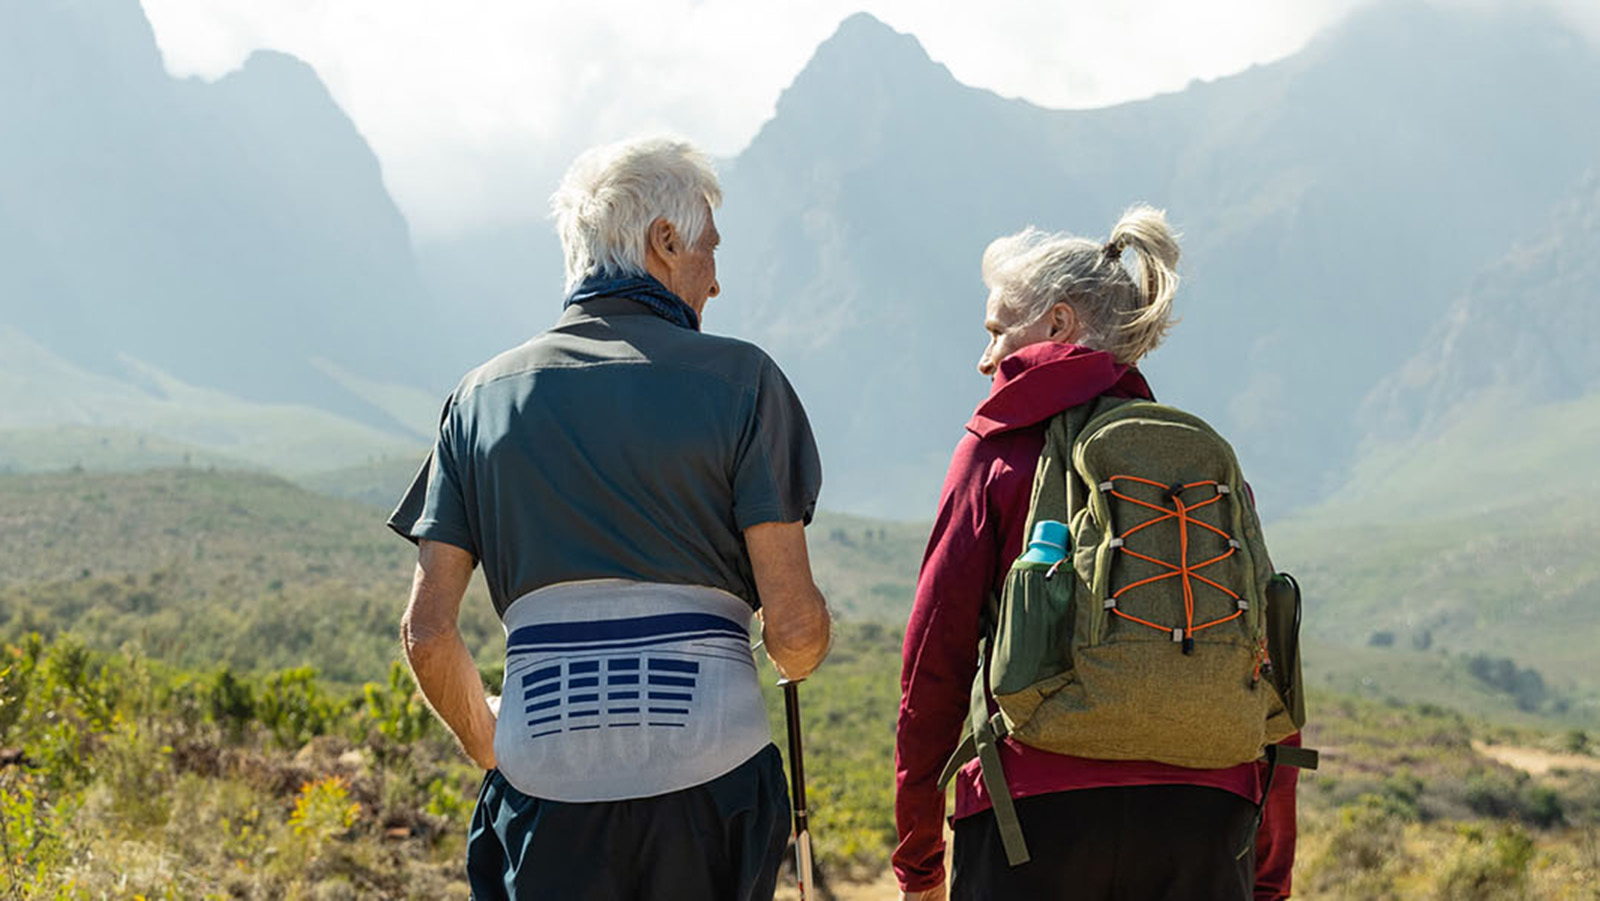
(1032, 655)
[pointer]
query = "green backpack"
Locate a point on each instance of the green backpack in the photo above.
(1163, 634)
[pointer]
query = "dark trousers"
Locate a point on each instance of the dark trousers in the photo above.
(1138, 843)
(721, 841)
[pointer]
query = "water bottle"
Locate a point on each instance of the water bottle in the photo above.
(1047, 544)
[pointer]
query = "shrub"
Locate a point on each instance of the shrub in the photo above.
(323, 811)
(1575, 741)
(1487, 870)
(1364, 854)
(294, 708)
(398, 708)
(1525, 686)
(231, 704)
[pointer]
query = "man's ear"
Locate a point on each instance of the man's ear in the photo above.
(664, 239)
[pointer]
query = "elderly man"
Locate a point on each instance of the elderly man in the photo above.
(634, 490)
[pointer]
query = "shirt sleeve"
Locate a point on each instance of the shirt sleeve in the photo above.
(940, 662)
(435, 507)
(777, 471)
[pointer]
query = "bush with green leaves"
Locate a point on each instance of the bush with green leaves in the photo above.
(1487, 867)
(295, 708)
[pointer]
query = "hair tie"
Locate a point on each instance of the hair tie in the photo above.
(1112, 250)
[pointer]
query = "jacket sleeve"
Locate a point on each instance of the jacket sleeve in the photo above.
(1275, 840)
(940, 659)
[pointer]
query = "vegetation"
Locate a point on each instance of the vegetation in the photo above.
(128, 779)
(125, 777)
(197, 568)
(199, 697)
(1474, 540)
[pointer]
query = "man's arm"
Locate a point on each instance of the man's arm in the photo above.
(438, 656)
(794, 615)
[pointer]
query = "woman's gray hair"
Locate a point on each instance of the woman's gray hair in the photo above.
(1123, 305)
(612, 194)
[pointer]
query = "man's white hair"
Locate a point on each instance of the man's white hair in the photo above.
(613, 193)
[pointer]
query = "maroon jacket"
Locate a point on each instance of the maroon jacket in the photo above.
(977, 533)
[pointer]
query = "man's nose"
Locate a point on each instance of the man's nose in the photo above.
(716, 288)
(985, 365)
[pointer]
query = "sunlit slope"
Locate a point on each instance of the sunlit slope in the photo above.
(56, 414)
(208, 567)
(1479, 540)
(108, 449)
(866, 567)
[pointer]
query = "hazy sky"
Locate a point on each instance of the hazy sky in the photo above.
(475, 107)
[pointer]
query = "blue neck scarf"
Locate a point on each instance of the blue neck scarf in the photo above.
(642, 288)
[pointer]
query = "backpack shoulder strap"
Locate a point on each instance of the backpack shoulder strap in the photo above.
(1057, 491)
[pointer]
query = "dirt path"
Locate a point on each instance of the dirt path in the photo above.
(1536, 761)
(883, 889)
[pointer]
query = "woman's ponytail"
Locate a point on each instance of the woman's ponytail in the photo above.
(1153, 270)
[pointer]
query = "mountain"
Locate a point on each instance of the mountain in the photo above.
(1526, 331)
(1334, 204)
(1469, 517)
(235, 235)
(59, 415)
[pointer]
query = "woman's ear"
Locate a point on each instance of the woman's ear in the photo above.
(1063, 323)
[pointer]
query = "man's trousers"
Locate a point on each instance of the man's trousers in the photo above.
(720, 840)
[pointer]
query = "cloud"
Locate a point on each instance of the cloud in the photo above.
(475, 108)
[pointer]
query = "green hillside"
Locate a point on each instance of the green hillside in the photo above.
(58, 414)
(201, 568)
(1475, 541)
(55, 448)
(867, 568)
(1501, 450)
(377, 483)
(179, 607)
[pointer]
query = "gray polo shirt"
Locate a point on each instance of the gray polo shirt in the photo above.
(616, 445)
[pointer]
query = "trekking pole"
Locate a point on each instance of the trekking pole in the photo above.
(797, 782)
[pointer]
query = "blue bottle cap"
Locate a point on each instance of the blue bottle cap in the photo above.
(1048, 543)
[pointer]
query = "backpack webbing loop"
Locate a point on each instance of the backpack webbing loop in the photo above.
(1276, 755)
(986, 742)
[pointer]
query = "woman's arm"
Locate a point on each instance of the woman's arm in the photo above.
(940, 661)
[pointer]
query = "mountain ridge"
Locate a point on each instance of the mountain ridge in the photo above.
(1333, 203)
(225, 232)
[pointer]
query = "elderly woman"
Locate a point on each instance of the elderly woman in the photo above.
(1068, 320)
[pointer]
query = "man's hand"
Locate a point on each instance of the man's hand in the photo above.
(937, 893)
(794, 616)
(439, 658)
